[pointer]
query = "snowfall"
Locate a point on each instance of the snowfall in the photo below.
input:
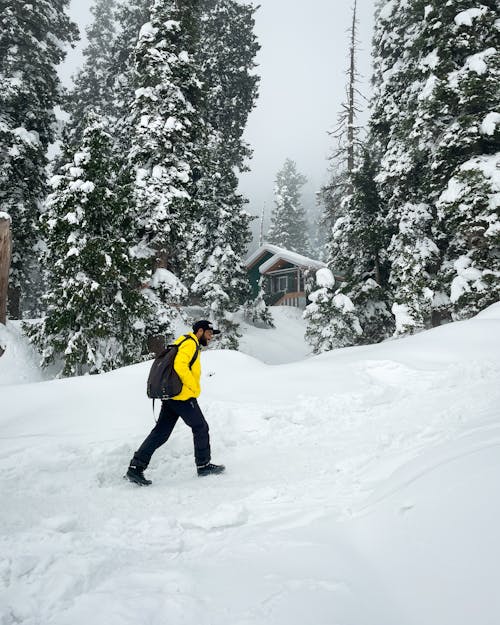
(362, 487)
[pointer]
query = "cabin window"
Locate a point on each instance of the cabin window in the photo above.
(279, 284)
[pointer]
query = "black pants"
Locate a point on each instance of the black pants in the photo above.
(171, 410)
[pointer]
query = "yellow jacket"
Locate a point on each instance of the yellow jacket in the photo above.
(190, 378)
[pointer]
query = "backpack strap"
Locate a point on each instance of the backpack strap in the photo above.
(198, 349)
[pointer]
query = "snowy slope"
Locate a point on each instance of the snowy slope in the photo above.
(360, 490)
(282, 344)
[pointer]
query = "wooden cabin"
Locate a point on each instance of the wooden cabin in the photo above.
(285, 275)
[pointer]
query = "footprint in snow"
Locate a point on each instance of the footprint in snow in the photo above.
(223, 517)
(63, 524)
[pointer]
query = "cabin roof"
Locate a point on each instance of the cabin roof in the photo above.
(281, 254)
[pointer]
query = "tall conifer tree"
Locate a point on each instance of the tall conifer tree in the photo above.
(436, 92)
(464, 99)
(97, 315)
(167, 133)
(31, 47)
(288, 221)
(226, 57)
(94, 88)
(130, 16)
(356, 310)
(344, 157)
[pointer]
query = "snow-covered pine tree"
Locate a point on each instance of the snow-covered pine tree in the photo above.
(256, 311)
(357, 252)
(356, 244)
(346, 135)
(94, 89)
(226, 58)
(402, 44)
(471, 268)
(331, 318)
(97, 315)
(31, 46)
(166, 138)
(438, 89)
(130, 16)
(288, 221)
(462, 107)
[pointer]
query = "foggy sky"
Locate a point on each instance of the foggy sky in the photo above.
(302, 66)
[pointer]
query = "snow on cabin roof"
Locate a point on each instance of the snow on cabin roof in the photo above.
(279, 253)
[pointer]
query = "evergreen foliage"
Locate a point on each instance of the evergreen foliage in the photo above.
(288, 221)
(398, 125)
(226, 58)
(348, 144)
(353, 311)
(471, 266)
(97, 315)
(94, 89)
(419, 231)
(130, 16)
(439, 83)
(31, 47)
(466, 182)
(331, 318)
(166, 135)
(256, 311)
(357, 251)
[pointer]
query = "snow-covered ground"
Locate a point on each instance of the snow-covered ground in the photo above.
(361, 488)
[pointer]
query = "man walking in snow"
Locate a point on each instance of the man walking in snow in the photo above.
(183, 405)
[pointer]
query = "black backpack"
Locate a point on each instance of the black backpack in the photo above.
(163, 381)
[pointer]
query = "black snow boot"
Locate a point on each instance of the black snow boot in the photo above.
(210, 469)
(135, 473)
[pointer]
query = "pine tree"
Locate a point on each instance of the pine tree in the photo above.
(226, 58)
(31, 47)
(166, 135)
(438, 85)
(358, 253)
(256, 311)
(331, 318)
(346, 135)
(356, 311)
(398, 128)
(219, 272)
(94, 88)
(130, 16)
(288, 222)
(97, 314)
(463, 108)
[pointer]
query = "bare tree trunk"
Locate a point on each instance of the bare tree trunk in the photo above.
(378, 275)
(157, 343)
(351, 101)
(5, 256)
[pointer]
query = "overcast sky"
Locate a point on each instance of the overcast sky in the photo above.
(302, 66)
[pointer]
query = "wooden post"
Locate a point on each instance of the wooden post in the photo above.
(5, 256)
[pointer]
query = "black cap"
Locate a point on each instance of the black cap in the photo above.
(203, 324)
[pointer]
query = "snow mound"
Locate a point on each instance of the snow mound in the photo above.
(492, 312)
(19, 363)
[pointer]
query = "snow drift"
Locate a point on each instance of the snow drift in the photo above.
(360, 490)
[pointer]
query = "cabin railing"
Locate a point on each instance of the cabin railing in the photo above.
(291, 299)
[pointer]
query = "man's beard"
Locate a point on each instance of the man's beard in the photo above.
(203, 341)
